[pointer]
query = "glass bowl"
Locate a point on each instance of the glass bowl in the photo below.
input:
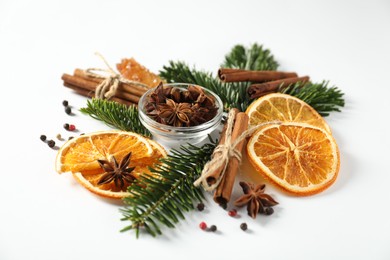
(176, 136)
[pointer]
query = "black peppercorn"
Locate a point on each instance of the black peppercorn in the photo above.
(269, 211)
(244, 226)
(200, 206)
(66, 126)
(68, 110)
(51, 143)
(65, 103)
(223, 205)
(43, 138)
(213, 228)
(261, 210)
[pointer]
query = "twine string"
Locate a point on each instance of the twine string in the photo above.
(220, 157)
(111, 80)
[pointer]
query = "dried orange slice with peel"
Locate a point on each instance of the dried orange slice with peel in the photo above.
(300, 158)
(283, 108)
(80, 156)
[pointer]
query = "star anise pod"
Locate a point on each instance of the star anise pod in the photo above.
(175, 114)
(199, 115)
(204, 100)
(175, 94)
(194, 92)
(119, 173)
(155, 115)
(158, 95)
(254, 197)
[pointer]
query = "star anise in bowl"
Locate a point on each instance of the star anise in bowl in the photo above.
(180, 107)
(180, 112)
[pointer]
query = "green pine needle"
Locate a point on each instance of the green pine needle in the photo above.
(322, 98)
(253, 58)
(115, 115)
(163, 198)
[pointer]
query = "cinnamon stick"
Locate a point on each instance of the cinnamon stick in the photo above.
(238, 75)
(91, 86)
(258, 90)
(91, 94)
(224, 190)
(224, 71)
(213, 177)
(81, 73)
(132, 89)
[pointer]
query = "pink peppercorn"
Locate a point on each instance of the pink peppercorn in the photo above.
(203, 225)
(72, 127)
(232, 212)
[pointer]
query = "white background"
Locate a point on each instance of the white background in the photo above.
(49, 216)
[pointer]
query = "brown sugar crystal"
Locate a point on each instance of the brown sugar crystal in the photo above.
(132, 70)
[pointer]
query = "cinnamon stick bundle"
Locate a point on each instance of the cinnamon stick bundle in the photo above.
(85, 85)
(224, 190)
(91, 86)
(133, 89)
(212, 178)
(239, 75)
(260, 89)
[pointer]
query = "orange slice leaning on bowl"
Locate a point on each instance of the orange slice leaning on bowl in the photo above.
(90, 158)
(299, 158)
(283, 108)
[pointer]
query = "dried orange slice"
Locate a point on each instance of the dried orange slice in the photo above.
(81, 156)
(283, 108)
(299, 158)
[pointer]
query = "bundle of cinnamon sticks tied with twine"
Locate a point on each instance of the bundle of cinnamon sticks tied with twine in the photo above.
(220, 172)
(86, 85)
(262, 82)
(107, 84)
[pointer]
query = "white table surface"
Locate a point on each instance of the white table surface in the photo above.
(49, 216)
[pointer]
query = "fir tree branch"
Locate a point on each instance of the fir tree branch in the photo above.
(253, 58)
(163, 197)
(322, 98)
(115, 115)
